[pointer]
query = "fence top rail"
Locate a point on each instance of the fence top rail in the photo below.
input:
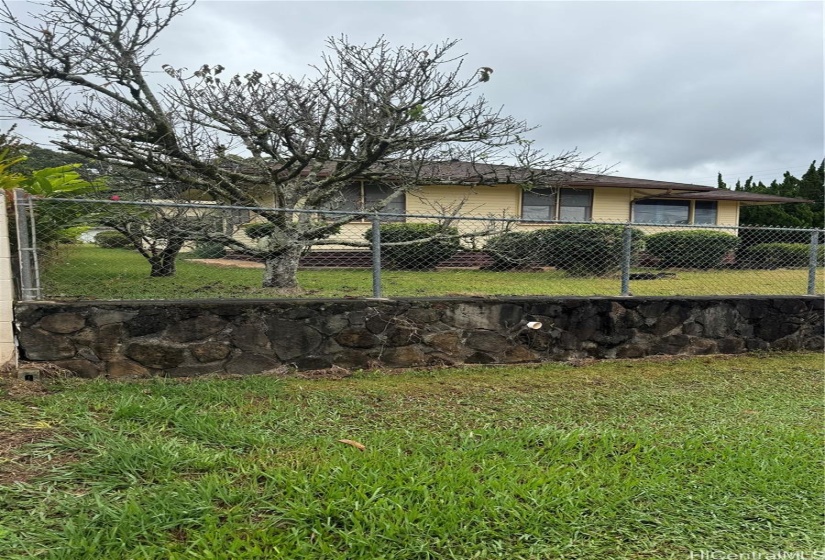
(387, 215)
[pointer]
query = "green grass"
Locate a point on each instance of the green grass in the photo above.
(620, 460)
(89, 272)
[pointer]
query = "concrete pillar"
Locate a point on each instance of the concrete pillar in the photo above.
(8, 348)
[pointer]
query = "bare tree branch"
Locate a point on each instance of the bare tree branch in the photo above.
(396, 117)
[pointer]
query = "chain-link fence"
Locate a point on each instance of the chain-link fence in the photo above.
(104, 249)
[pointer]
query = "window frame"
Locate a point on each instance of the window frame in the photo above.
(361, 203)
(555, 204)
(691, 208)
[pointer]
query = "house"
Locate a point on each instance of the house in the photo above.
(487, 190)
(471, 194)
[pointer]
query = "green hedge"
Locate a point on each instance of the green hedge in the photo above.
(113, 240)
(579, 250)
(778, 255)
(515, 249)
(701, 249)
(588, 250)
(259, 230)
(208, 250)
(424, 252)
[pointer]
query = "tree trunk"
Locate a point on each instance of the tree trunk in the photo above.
(163, 263)
(281, 270)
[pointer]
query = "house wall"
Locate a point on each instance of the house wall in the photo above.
(727, 213)
(474, 200)
(609, 205)
(444, 199)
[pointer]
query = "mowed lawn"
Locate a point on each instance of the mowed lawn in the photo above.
(619, 459)
(90, 272)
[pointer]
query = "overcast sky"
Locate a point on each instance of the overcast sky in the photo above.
(664, 90)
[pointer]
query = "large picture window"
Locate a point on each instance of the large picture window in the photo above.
(652, 211)
(575, 205)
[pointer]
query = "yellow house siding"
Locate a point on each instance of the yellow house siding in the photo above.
(611, 205)
(352, 232)
(727, 213)
(482, 201)
(474, 200)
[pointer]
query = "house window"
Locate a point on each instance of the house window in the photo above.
(375, 194)
(557, 204)
(661, 212)
(360, 197)
(575, 205)
(674, 212)
(351, 195)
(538, 204)
(704, 212)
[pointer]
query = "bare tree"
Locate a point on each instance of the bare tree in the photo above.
(156, 230)
(393, 116)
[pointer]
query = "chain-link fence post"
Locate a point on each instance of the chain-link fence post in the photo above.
(26, 250)
(376, 256)
(812, 262)
(627, 252)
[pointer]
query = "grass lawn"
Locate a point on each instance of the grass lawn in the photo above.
(618, 459)
(90, 272)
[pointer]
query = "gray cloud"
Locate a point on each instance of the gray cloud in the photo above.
(669, 90)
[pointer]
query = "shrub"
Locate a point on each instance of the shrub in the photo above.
(113, 240)
(208, 250)
(424, 253)
(259, 230)
(70, 235)
(514, 249)
(778, 255)
(587, 250)
(691, 249)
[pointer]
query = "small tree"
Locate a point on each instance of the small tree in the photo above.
(156, 216)
(157, 232)
(367, 112)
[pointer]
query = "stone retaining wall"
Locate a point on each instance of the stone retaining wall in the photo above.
(185, 338)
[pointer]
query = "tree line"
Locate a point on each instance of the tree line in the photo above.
(810, 186)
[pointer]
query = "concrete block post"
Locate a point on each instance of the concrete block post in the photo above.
(8, 348)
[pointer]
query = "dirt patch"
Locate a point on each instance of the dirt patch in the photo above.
(20, 390)
(228, 263)
(18, 464)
